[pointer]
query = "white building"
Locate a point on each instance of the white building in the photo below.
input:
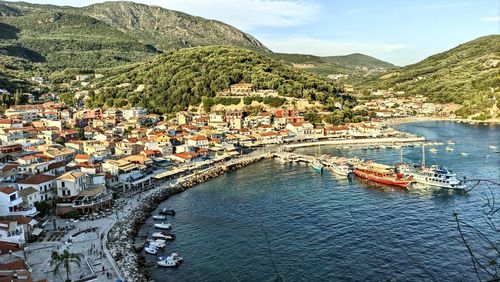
(45, 184)
(70, 184)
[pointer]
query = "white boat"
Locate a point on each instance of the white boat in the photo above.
(464, 154)
(174, 256)
(159, 217)
(159, 244)
(163, 235)
(433, 150)
(450, 142)
(493, 147)
(432, 176)
(449, 149)
(163, 226)
(151, 250)
(317, 166)
(340, 169)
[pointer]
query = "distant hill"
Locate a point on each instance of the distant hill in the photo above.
(352, 64)
(468, 74)
(173, 81)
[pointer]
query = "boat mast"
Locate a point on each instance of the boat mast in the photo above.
(423, 155)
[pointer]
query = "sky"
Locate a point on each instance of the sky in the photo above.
(400, 32)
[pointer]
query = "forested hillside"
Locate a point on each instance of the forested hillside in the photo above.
(175, 80)
(468, 74)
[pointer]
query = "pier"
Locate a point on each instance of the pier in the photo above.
(389, 140)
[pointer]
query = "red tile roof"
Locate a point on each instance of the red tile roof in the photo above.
(8, 190)
(37, 179)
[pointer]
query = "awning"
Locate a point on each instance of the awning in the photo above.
(37, 231)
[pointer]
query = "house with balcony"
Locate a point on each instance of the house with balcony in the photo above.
(44, 183)
(11, 203)
(31, 165)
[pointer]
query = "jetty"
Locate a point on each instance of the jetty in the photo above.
(342, 142)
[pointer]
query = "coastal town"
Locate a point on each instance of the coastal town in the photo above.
(70, 174)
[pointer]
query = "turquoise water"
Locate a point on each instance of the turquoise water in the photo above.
(270, 219)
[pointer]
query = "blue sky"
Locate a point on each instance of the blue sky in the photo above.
(400, 32)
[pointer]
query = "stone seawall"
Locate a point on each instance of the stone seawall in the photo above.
(121, 235)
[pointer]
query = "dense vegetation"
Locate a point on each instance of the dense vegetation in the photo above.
(352, 64)
(468, 75)
(175, 80)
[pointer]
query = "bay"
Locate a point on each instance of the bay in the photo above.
(268, 219)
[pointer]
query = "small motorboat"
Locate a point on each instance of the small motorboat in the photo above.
(168, 263)
(151, 250)
(166, 226)
(493, 147)
(450, 142)
(449, 149)
(465, 154)
(174, 257)
(159, 217)
(158, 244)
(166, 211)
(164, 236)
(433, 150)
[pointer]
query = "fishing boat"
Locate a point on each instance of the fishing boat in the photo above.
(166, 211)
(341, 169)
(170, 261)
(449, 149)
(151, 250)
(382, 174)
(163, 236)
(316, 164)
(174, 256)
(435, 175)
(159, 217)
(433, 150)
(159, 244)
(166, 226)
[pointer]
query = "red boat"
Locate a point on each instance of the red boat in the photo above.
(382, 174)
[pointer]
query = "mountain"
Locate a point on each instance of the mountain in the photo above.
(468, 74)
(169, 29)
(178, 79)
(106, 34)
(353, 64)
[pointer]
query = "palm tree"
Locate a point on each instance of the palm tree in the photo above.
(65, 259)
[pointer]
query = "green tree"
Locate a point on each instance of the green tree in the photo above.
(65, 259)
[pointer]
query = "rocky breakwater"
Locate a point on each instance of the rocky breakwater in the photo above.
(121, 236)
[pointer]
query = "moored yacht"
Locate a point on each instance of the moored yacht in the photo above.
(163, 226)
(434, 176)
(382, 174)
(341, 169)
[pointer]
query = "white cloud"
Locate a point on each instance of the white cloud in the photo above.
(320, 47)
(243, 14)
(491, 19)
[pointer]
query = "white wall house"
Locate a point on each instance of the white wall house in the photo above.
(44, 183)
(70, 184)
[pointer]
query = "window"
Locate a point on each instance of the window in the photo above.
(63, 184)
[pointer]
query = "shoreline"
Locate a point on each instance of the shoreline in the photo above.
(396, 121)
(121, 236)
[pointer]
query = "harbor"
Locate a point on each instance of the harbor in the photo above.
(220, 226)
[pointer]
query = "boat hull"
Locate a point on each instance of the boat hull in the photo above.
(384, 180)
